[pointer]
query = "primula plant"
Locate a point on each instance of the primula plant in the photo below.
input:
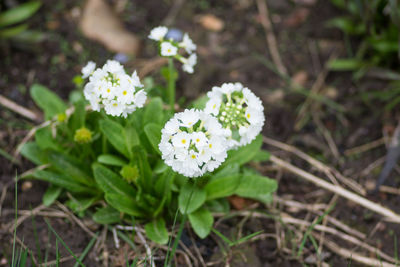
(122, 155)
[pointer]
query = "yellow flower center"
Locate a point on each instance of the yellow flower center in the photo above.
(115, 105)
(183, 141)
(210, 145)
(197, 140)
(108, 90)
(124, 92)
(193, 156)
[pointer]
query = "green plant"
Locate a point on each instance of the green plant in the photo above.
(13, 25)
(376, 24)
(111, 163)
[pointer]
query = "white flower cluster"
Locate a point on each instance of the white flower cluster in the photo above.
(193, 143)
(170, 47)
(240, 112)
(110, 87)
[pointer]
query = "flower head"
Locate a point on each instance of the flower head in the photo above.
(158, 33)
(88, 69)
(192, 143)
(182, 48)
(240, 112)
(110, 87)
(83, 136)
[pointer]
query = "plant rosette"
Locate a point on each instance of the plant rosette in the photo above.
(192, 143)
(111, 88)
(240, 112)
(172, 45)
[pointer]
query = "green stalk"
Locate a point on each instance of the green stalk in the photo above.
(169, 256)
(171, 83)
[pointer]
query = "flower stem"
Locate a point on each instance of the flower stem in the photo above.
(171, 83)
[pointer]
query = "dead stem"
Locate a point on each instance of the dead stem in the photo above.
(19, 109)
(329, 171)
(365, 147)
(271, 40)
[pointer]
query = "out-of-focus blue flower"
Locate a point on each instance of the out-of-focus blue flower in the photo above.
(174, 34)
(121, 58)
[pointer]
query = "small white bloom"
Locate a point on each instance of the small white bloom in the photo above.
(158, 33)
(168, 49)
(192, 143)
(88, 69)
(110, 87)
(188, 44)
(240, 112)
(189, 63)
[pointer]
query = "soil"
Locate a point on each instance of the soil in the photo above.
(234, 54)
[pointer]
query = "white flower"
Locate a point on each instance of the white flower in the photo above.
(168, 49)
(88, 69)
(189, 63)
(192, 143)
(110, 87)
(240, 112)
(158, 33)
(171, 48)
(188, 44)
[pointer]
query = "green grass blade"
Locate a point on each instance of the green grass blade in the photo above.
(37, 242)
(87, 249)
(57, 254)
(63, 243)
(15, 224)
(229, 242)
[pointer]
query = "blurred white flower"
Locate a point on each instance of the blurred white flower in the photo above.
(168, 49)
(189, 63)
(88, 69)
(193, 143)
(187, 44)
(240, 112)
(158, 33)
(110, 87)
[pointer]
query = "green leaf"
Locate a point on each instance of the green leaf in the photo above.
(157, 231)
(218, 205)
(78, 204)
(48, 101)
(160, 167)
(13, 31)
(44, 139)
(347, 25)
(200, 102)
(106, 215)
(345, 64)
(121, 139)
(51, 194)
(153, 133)
(222, 186)
(141, 160)
(262, 155)
(33, 152)
(201, 221)
(63, 181)
(256, 186)
(112, 160)
(191, 198)
(112, 183)
(154, 112)
(124, 204)
(244, 154)
(70, 167)
(19, 13)
(77, 119)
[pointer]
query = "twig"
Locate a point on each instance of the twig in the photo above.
(21, 219)
(329, 171)
(316, 87)
(328, 137)
(75, 219)
(64, 259)
(173, 12)
(151, 65)
(19, 109)
(365, 147)
(115, 237)
(196, 249)
(3, 196)
(346, 253)
(299, 205)
(338, 190)
(271, 40)
(390, 190)
(148, 250)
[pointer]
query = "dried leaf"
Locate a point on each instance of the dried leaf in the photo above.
(101, 24)
(211, 22)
